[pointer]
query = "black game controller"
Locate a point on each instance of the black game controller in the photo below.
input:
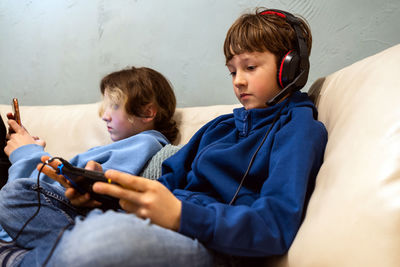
(82, 180)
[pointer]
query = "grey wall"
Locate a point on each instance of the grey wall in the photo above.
(56, 51)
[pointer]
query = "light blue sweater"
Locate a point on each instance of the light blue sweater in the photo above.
(128, 155)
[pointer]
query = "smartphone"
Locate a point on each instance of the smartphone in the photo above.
(82, 180)
(17, 115)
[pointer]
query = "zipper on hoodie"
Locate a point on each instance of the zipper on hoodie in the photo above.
(245, 129)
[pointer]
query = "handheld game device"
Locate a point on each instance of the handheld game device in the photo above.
(82, 180)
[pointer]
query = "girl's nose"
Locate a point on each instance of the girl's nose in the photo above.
(106, 116)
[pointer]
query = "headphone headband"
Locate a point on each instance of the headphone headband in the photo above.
(274, 12)
(292, 19)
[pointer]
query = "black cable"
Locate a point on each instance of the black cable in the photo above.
(255, 153)
(39, 204)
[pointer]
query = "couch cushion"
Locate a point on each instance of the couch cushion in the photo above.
(353, 218)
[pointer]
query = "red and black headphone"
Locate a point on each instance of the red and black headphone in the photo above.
(294, 67)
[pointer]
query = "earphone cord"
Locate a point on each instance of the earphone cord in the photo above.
(255, 153)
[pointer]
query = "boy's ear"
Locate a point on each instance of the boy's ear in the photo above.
(149, 112)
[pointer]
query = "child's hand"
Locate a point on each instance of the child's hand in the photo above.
(84, 200)
(74, 197)
(39, 141)
(143, 197)
(50, 170)
(80, 200)
(19, 137)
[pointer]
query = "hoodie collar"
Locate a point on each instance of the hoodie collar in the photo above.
(248, 120)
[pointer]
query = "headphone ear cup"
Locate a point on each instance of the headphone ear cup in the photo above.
(289, 68)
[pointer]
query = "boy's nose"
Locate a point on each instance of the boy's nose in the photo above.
(239, 80)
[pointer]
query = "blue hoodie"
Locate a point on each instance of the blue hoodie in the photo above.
(267, 213)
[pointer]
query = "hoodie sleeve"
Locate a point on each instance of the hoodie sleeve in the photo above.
(24, 161)
(268, 226)
(129, 155)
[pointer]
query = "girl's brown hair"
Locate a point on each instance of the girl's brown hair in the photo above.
(140, 87)
(261, 33)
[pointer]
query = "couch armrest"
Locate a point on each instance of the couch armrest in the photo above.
(353, 216)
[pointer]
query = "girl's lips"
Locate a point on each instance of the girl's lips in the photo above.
(244, 95)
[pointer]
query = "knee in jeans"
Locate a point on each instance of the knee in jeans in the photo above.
(14, 189)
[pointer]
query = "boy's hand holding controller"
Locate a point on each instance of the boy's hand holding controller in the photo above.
(76, 199)
(146, 198)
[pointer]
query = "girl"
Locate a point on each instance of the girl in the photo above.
(138, 106)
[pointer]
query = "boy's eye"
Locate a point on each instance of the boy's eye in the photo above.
(251, 67)
(232, 73)
(115, 106)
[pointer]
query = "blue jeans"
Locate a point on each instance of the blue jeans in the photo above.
(112, 238)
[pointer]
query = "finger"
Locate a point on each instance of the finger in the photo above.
(10, 116)
(71, 193)
(79, 200)
(15, 126)
(44, 158)
(128, 206)
(117, 192)
(75, 197)
(54, 163)
(93, 166)
(50, 172)
(127, 180)
(7, 148)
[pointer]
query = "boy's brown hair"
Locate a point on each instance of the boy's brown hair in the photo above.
(261, 33)
(140, 87)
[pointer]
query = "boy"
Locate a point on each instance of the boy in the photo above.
(238, 188)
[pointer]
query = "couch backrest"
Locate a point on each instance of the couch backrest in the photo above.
(72, 129)
(353, 217)
(67, 129)
(191, 119)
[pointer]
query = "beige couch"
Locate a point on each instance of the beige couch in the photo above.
(353, 218)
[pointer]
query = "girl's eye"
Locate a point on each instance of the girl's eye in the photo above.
(251, 67)
(233, 73)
